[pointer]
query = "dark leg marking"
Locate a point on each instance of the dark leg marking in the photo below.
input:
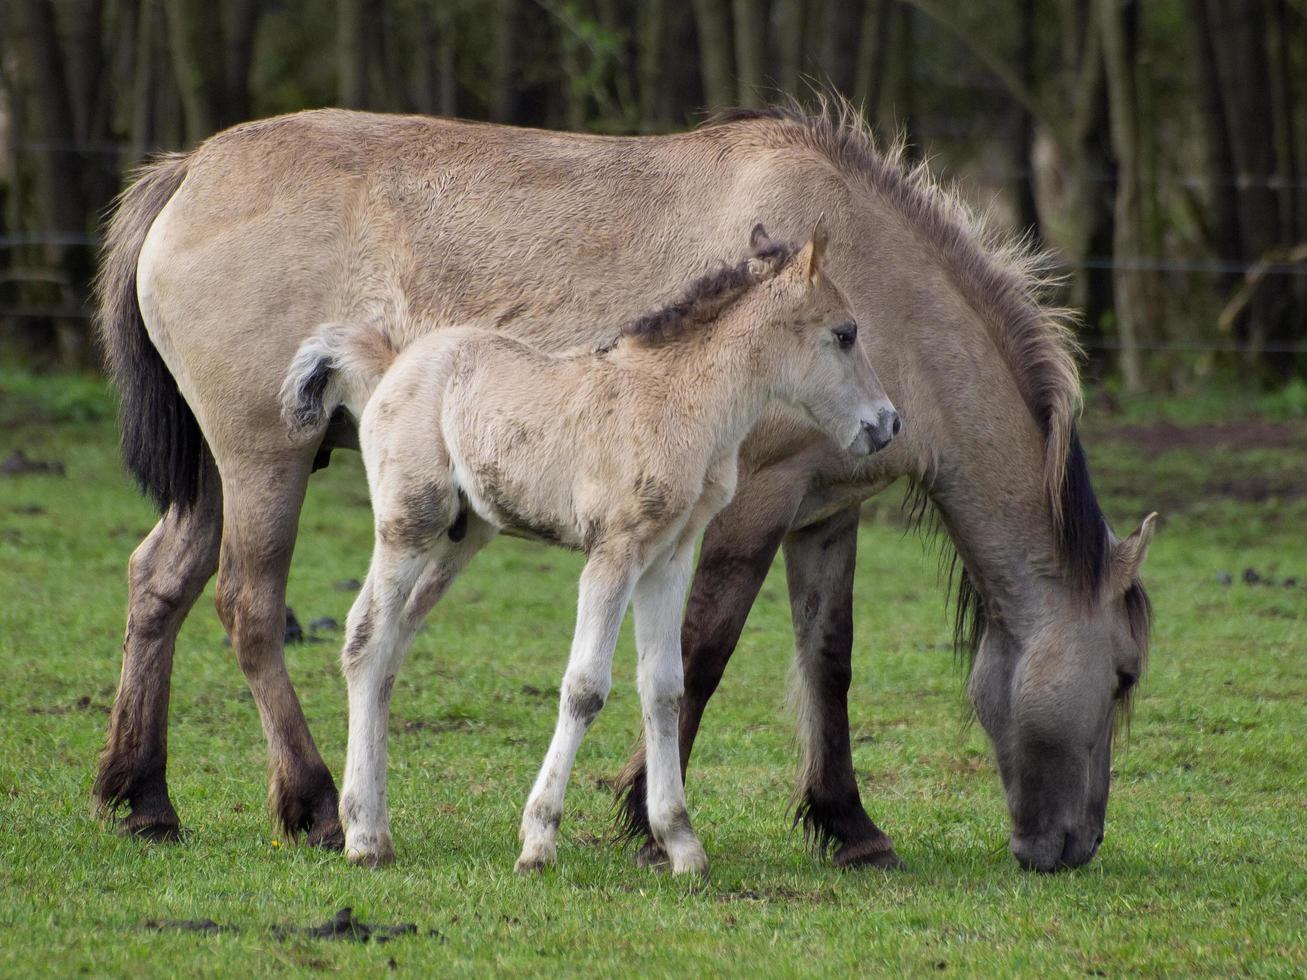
(585, 706)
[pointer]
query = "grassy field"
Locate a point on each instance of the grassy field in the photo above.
(1204, 870)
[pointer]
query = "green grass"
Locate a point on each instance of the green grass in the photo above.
(1204, 869)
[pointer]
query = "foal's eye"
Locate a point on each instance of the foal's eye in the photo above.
(1125, 680)
(846, 334)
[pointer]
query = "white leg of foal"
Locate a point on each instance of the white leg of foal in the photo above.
(659, 609)
(602, 598)
(400, 590)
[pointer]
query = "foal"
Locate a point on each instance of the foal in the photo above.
(624, 452)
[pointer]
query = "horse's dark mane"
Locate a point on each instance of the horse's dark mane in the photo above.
(707, 297)
(1005, 281)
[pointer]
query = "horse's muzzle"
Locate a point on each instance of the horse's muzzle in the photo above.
(875, 436)
(1056, 850)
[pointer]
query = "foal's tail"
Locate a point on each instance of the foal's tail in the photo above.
(162, 444)
(341, 364)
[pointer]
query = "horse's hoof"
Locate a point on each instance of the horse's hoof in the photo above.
(372, 860)
(326, 834)
(650, 855)
(376, 852)
(158, 829)
(693, 863)
(535, 858)
(869, 854)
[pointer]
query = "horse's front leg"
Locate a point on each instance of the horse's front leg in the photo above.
(819, 566)
(738, 548)
(659, 602)
(602, 598)
(404, 582)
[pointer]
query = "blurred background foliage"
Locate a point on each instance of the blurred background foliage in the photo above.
(1155, 146)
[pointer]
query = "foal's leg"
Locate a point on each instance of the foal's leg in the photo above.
(403, 584)
(165, 575)
(261, 503)
(738, 548)
(659, 603)
(819, 565)
(602, 597)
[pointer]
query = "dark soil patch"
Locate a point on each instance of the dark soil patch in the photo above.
(344, 926)
(19, 463)
(1158, 437)
(84, 703)
(1256, 489)
(207, 926)
(439, 725)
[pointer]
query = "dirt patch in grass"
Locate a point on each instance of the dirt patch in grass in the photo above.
(1158, 437)
(1256, 489)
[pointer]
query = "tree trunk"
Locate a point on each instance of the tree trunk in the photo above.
(710, 16)
(503, 75)
(195, 33)
(650, 52)
(871, 56)
(1023, 137)
(1119, 60)
(750, 49)
(1240, 31)
(242, 23)
(447, 27)
(789, 44)
(841, 30)
(905, 82)
(1224, 223)
(351, 54)
(57, 174)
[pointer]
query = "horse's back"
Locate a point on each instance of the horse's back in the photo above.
(417, 223)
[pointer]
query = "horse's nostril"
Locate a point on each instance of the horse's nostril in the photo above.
(898, 425)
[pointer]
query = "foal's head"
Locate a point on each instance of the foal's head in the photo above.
(824, 371)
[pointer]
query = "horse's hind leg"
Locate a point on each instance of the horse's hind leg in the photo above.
(166, 574)
(403, 584)
(261, 503)
(819, 565)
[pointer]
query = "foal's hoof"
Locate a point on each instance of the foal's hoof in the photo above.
(651, 855)
(370, 854)
(869, 854)
(693, 862)
(535, 858)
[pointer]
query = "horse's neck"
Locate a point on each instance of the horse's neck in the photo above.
(969, 439)
(719, 378)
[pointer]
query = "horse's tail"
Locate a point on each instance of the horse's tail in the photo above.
(161, 441)
(340, 364)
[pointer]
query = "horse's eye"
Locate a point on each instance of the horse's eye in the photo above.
(846, 334)
(1125, 680)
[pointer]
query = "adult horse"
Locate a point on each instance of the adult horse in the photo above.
(219, 262)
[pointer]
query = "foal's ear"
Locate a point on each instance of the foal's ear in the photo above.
(1128, 555)
(814, 252)
(758, 238)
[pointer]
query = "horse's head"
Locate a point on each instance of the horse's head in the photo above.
(825, 372)
(1049, 702)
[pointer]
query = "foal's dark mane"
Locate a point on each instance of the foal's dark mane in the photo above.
(1006, 281)
(706, 298)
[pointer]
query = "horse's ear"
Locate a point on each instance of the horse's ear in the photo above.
(1128, 555)
(758, 238)
(815, 250)
(811, 255)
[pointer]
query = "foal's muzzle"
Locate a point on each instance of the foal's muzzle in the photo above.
(875, 436)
